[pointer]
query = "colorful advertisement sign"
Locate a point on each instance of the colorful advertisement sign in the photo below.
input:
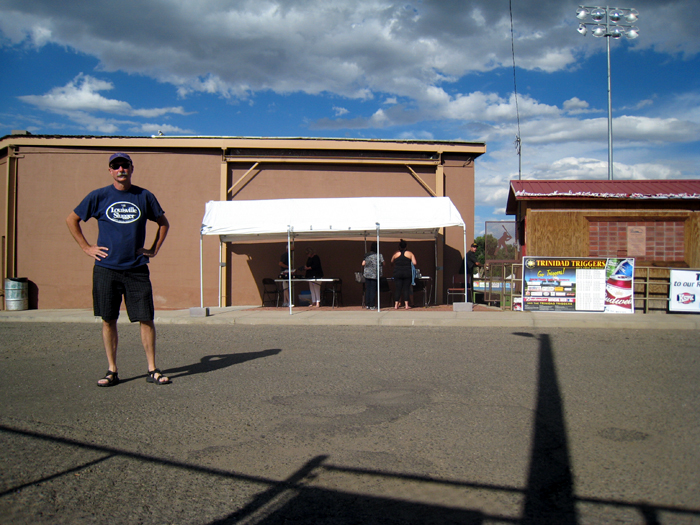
(684, 292)
(619, 289)
(554, 284)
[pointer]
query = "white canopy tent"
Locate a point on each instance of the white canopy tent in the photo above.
(286, 219)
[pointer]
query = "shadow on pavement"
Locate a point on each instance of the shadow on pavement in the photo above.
(549, 496)
(320, 492)
(211, 363)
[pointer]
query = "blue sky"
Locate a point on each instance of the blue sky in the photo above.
(440, 69)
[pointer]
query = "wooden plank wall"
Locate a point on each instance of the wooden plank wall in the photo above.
(560, 233)
(564, 233)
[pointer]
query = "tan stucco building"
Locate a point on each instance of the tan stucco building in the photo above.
(45, 177)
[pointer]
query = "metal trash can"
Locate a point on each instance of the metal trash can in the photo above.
(16, 293)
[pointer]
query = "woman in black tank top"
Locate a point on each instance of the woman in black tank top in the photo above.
(401, 261)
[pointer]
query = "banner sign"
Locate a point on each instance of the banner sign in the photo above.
(619, 289)
(554, 284)
(684, 292)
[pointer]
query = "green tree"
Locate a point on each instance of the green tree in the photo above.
(480, 252)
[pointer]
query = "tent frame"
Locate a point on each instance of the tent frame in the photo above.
(291, 235)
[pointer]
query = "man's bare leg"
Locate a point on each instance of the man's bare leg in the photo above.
(148, 339)
(110, 337)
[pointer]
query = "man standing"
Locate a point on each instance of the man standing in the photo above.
(121, 261)
(472, 261)
(284, 272)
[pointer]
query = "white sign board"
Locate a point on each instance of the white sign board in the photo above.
(684, 294)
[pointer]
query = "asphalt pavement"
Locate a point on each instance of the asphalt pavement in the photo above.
(353, 417)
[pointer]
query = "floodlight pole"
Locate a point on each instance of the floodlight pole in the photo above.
(614, 28)
(610, 122)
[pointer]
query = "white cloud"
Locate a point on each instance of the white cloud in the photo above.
(379, 119)
(94, 124)
(80, 99)
(572, 168)
(351, 49)
(497, 194)
(416, 135)
(576, 106)
(625, 129)
(157, 112)
(414, 70)
(157, 129)
(575, 103)
(82, 94)
(550, 61)
(436, 103)
(684, 106)
(639, 105)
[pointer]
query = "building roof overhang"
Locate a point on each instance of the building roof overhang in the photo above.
(473, 149)
(582, 190)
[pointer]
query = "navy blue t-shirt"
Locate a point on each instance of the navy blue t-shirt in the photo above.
(121, 217)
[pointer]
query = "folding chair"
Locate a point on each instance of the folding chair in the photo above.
(419, 288)
(457, 288)
(335, 289)
(384, 290)
(271, 292)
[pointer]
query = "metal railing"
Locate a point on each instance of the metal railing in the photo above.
(502, 283)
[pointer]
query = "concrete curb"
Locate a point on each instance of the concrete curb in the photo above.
(249, 315)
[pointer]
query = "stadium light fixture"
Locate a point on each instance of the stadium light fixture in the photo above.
(608, 22)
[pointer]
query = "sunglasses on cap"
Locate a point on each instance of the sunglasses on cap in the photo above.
(120, 164)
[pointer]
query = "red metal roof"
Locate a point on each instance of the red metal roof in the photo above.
(595, 189)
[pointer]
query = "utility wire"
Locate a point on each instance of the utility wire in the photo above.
(518, 143)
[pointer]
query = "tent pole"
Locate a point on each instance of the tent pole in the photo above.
(289, 268)
(466, 277)
(379, 287)
(201, 273)
(433, 288)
